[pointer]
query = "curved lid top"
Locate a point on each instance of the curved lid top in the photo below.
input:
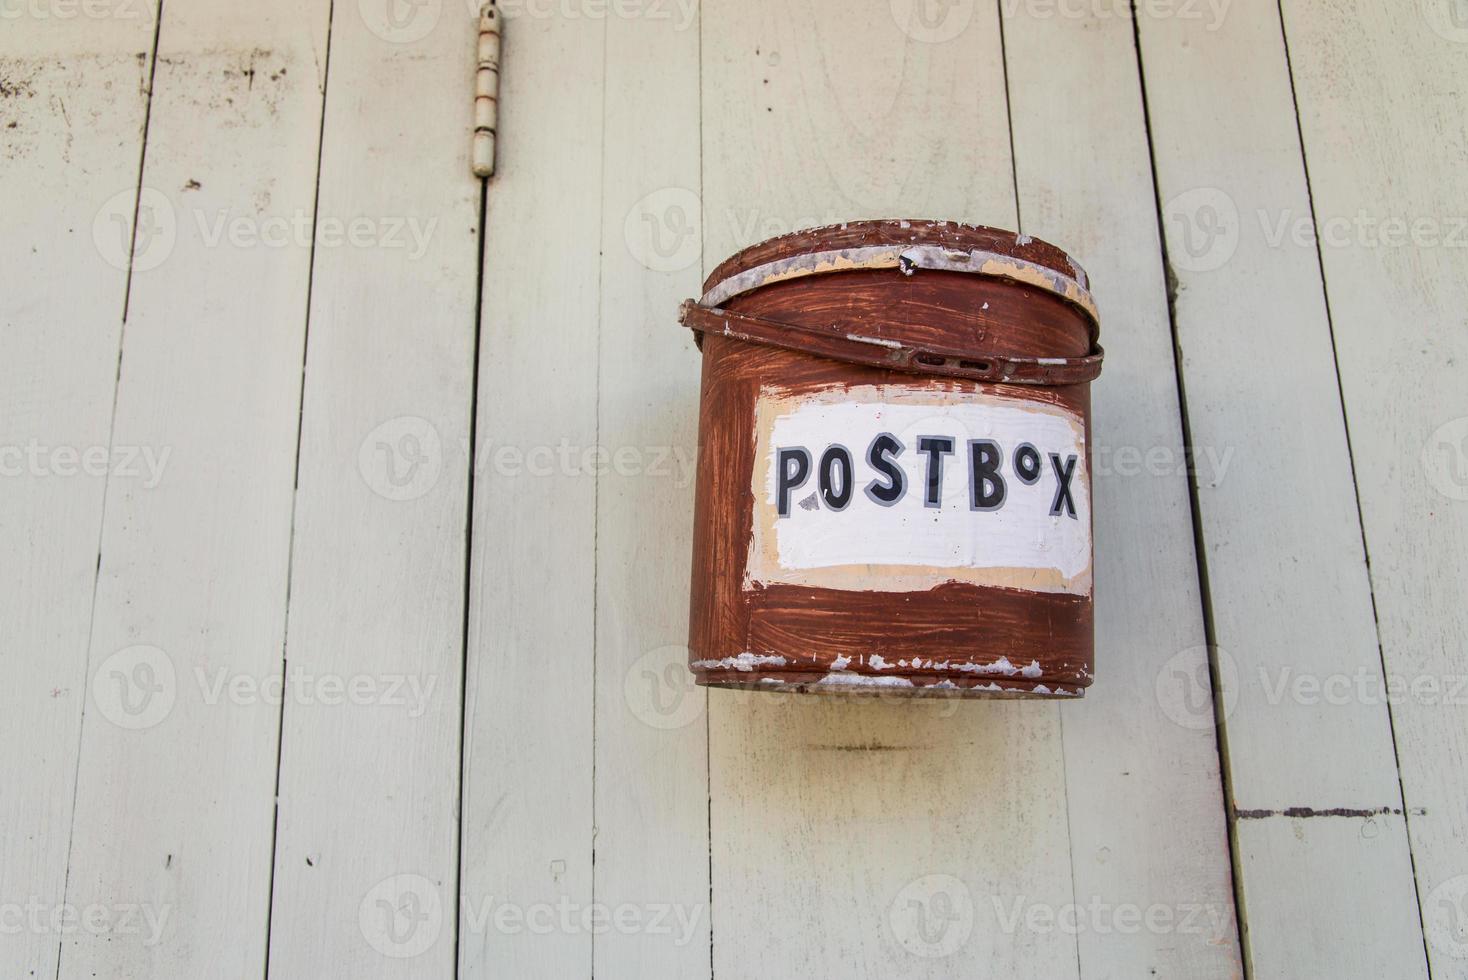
(886, 338)
(906, 245)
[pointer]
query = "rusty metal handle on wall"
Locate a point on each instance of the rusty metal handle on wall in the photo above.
(835, 342)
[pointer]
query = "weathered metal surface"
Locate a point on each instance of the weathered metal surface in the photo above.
(933, 422)
(835, 340)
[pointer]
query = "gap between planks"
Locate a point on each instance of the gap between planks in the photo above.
(111, 438)
(290, 563)
(1195, 513)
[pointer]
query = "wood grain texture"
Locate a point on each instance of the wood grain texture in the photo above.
(1290, 599)
(651, 792)
(528, 755)
(1353, 864)
(860, 835)
(73, 96)
(1382, 114)
(174, 806)
(366, 860)
(1146, 817)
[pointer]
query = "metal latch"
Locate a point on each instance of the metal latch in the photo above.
(486, 90)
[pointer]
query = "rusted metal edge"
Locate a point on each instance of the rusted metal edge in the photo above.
(834, 342)
(908, 259)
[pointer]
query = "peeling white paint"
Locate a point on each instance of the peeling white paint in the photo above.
(861, 680)
(877, 341)
(745, 661)
(908, 258)
(1002, 667)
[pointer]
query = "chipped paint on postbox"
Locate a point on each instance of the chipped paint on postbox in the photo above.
(899, 488)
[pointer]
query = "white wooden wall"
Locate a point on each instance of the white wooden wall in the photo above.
(345, 501)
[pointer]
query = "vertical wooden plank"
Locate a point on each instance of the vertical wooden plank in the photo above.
(73, 98)
(528, 727)
(174, 796)
(1382, 111)
(861, 836)
(1348, 860)
(651, 794)
(1280, 527)
(1147, 822)
(367, 835)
